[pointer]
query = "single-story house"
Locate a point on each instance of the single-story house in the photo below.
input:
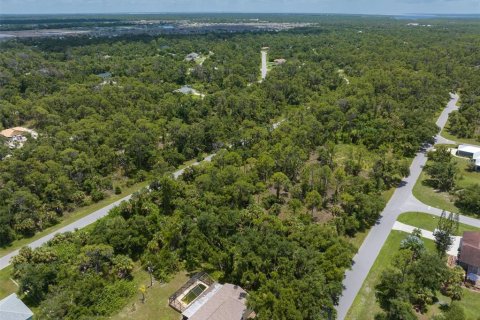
(469, 256)
(17, 136)
(192, 56)
(12, 308)
(467, 151)
(279, 61)
(201, 298)
(186, 89)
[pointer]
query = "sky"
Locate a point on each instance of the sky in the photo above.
(257, 6)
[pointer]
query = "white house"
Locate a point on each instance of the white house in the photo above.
(472, 152)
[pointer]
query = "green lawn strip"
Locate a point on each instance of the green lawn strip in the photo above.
(73, 216)
(156, 303)
(429, 222)
(7, 286)
(447, 135)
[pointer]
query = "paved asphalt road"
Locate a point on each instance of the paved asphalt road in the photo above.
(264, 64)
(85, 221)
(401, 201)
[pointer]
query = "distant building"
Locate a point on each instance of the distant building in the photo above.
(12, 308)
(105, 75)
(192, 56)
(17, 136)
(203, 299)
(186, 90)
(279, 61)
(469, 256)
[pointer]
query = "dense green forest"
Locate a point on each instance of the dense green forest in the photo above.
(273, 211)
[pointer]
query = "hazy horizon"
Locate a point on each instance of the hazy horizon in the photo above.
(372, 7)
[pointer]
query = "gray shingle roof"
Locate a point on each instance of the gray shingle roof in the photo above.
(12, 308)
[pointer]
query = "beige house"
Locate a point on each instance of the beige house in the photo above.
(201, 298)
(17, 136)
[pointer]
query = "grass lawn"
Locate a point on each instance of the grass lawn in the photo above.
(365, 306)
(470, 303)
(443, 200)
(156, 303)
(7, 286)
(428, 222)
(73, 216)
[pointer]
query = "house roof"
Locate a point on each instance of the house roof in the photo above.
(469, 149)
(12, 308)
(470, 248)
(227, 302)
(13, 131)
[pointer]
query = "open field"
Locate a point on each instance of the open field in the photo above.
(156, 303)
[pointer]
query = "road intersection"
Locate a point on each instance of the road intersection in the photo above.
(402, 200)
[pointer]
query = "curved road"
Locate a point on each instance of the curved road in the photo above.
(401, 201)
(85, 221)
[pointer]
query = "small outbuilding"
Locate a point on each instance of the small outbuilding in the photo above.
(12, 308)
(467, 151)
(279, 61)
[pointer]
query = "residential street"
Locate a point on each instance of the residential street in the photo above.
(264, 64)
(401, 201)
(85, 221)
